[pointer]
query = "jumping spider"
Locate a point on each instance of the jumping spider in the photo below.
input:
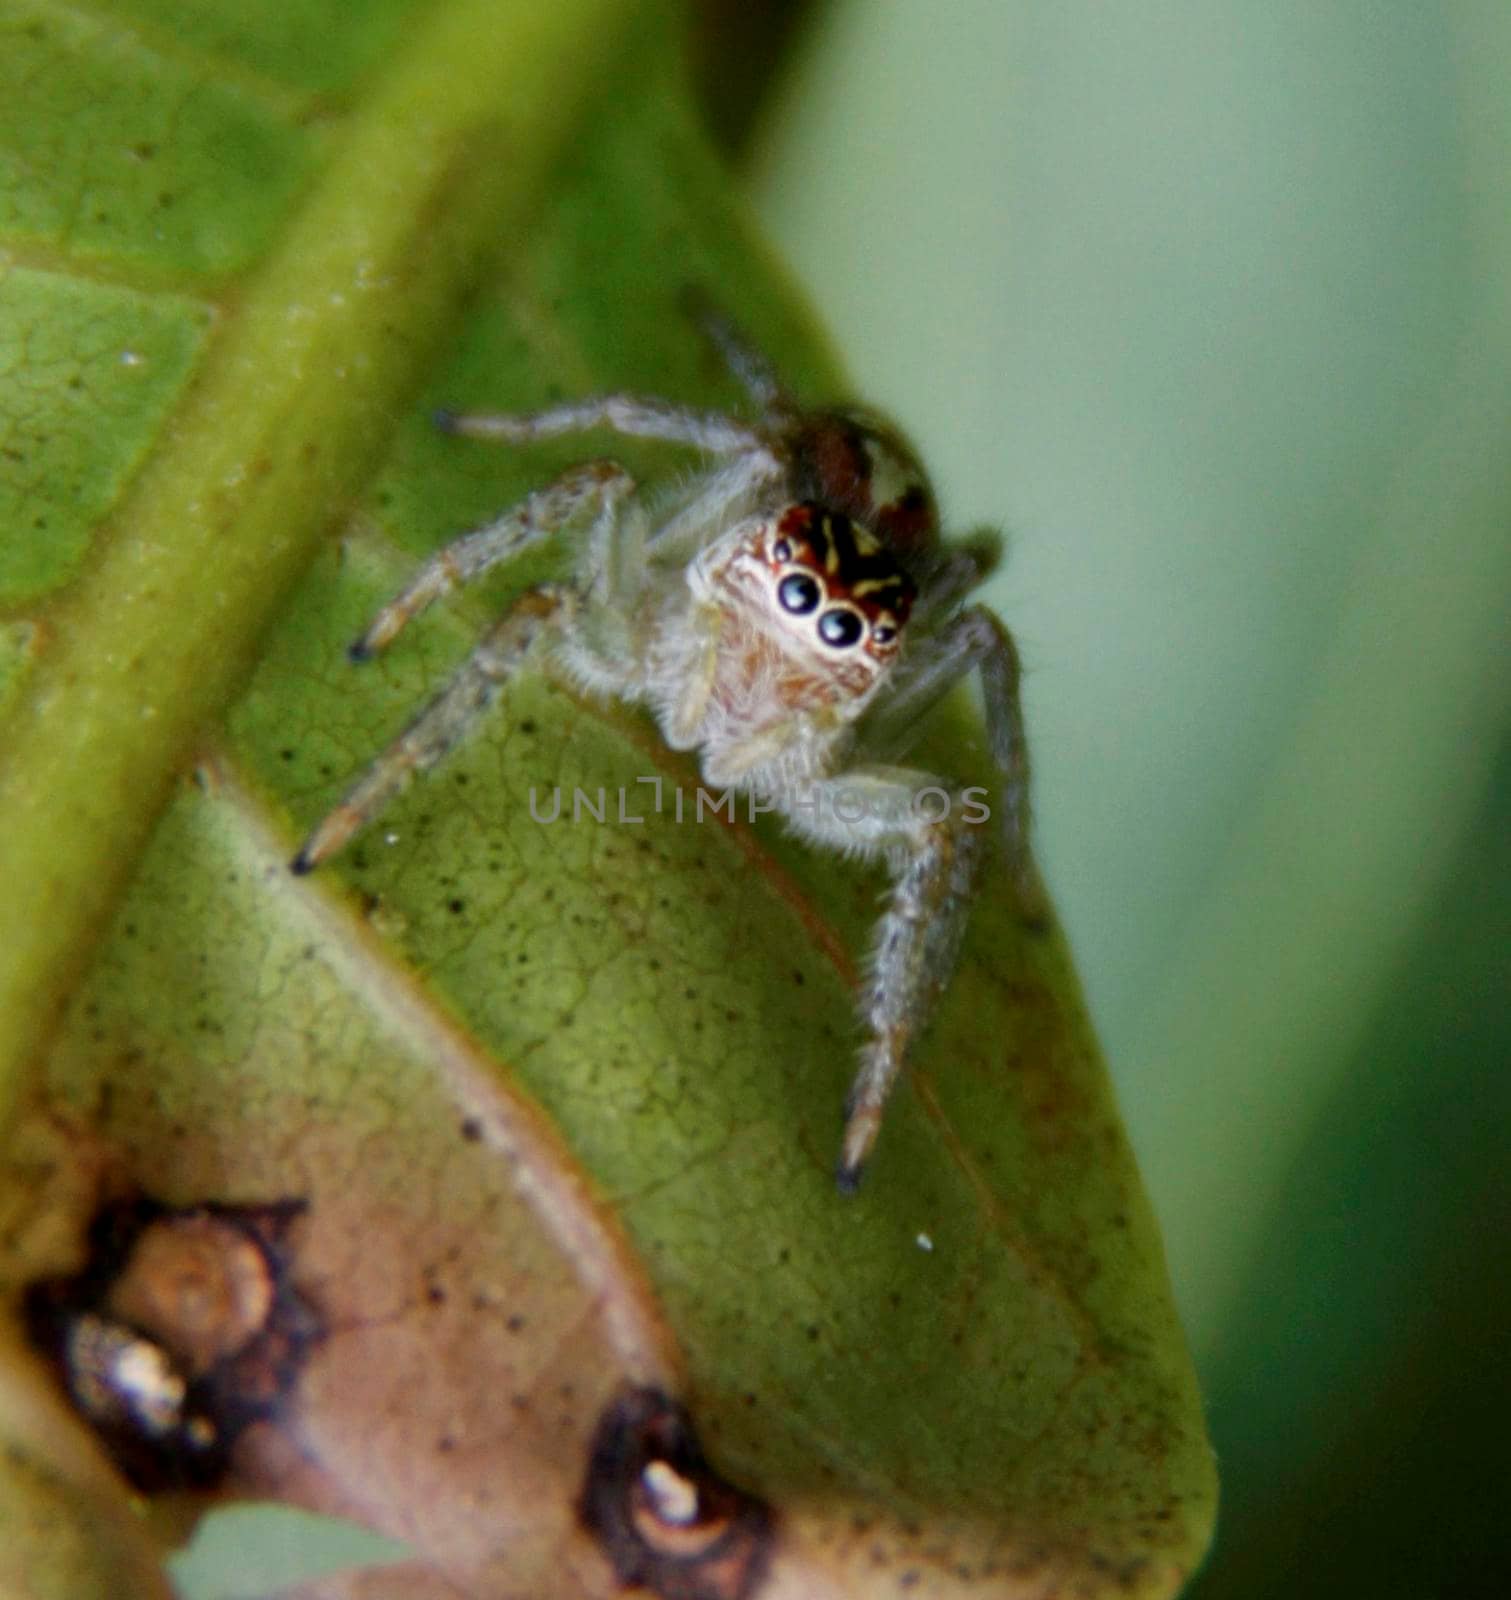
(790, 614)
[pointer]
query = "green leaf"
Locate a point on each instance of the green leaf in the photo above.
(251, 1550)
(562, 1099)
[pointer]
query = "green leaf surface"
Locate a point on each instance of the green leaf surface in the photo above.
(245, 1552)
(563, 1099)
(89, 373)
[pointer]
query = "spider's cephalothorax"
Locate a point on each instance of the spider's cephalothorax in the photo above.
(790, 614)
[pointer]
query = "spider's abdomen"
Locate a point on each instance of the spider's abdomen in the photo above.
(853, 462)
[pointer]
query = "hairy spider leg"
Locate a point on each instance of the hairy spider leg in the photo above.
(538, 612)
(933, 855)
(754, 463)
(955, 571)
(600, 484)
(537, 517)
(974, 639)
(628, 414)
(686, 530)
(748, 364)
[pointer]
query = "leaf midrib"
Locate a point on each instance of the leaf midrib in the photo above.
(286, 420)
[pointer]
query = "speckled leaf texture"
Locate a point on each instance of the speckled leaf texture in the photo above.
(561, 1101)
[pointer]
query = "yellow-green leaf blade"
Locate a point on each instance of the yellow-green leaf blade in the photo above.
(969, 1379)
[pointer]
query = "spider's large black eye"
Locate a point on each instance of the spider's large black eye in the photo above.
(798, 593)
(840, 628)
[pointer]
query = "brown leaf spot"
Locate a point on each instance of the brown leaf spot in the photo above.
(182, 1329)
(662, 1516)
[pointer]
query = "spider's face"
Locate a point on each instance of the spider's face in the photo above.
(834, 586)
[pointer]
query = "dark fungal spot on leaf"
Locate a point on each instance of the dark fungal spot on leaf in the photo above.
(182, 1330)
(661, 1515)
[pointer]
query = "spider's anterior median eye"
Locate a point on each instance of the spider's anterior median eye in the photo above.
(798, 593)
(840, 628)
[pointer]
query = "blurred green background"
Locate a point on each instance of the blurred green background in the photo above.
(1210, 305)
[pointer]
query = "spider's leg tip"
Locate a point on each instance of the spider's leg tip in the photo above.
(444, 419)
(359, 650)
(862, 1120)
(847, 1178)
(301, 866)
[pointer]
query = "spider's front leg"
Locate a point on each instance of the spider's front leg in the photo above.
(921, 827)
(546, 610)
(594, 485)
(974, 639)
